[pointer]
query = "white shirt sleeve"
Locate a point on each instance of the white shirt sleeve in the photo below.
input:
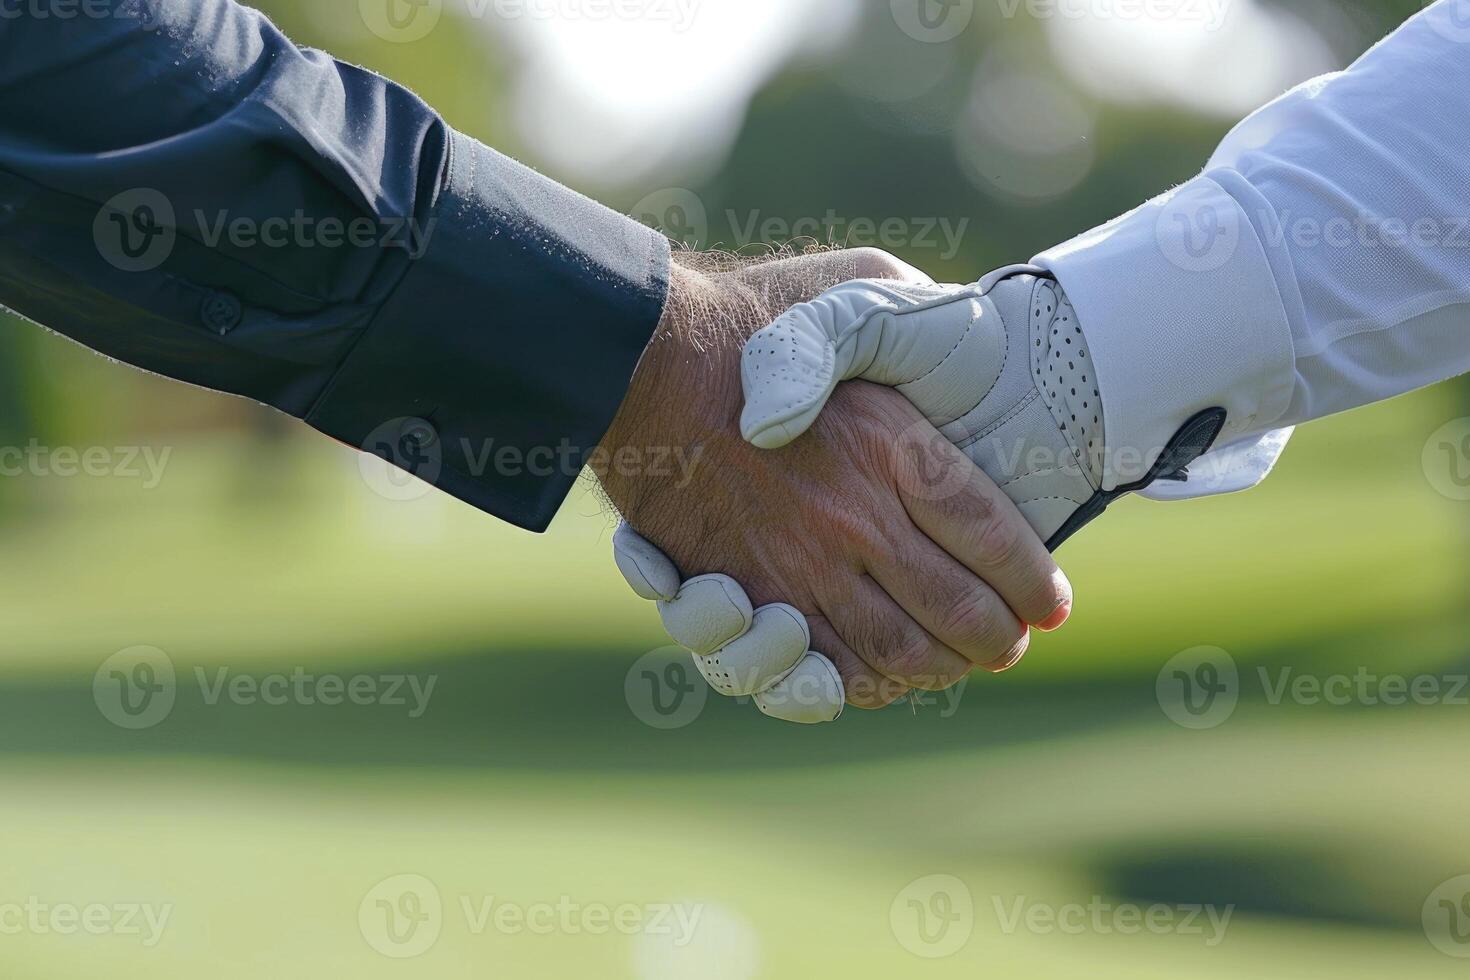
(1321, 262)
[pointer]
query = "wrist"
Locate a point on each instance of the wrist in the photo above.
(1181, 311)
(684, 398)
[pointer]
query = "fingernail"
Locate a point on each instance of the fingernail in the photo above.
(1054, 622)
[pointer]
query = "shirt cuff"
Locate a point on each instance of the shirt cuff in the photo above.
(499, 361)
(1182, 313)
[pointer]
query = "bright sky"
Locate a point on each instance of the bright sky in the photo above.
(628, 101)
(664, 92)
(1224, 57)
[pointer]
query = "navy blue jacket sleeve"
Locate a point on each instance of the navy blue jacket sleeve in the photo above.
(184, 189)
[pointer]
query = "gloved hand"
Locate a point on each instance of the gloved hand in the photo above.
(763, 653)
(1001, 368)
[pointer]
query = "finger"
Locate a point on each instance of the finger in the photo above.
(948, 600)
(1012, 658)
(776, 641)
(967, 515)
(708, 612)
(894, 334)
(645, 568)
(890, 642)
(865, 687)
(811, 694)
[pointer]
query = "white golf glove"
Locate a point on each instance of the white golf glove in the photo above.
(762, 653)
(1000, 367)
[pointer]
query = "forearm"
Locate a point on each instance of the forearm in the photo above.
(1321, 262)
(1360, 193)
(184, 189)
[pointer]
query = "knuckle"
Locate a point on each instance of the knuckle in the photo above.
(1011, 657)
(874, 263)
(999, 541)
(915, 661)
(846, 521)
(977, 625)
(980, 508)
(865, 688)
(1049, 593)
(870, 692)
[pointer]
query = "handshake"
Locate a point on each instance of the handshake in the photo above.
(885, 467)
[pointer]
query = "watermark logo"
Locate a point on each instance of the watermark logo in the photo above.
(1199, 688)
(401, 916)
(933, 916)
(678, 213)
(1197, 230)
(928, 466)
(1446, 917)
(401, 459)
(401, 21)
(933, 21)
(1450, 19)
(135, 688)
(135, 231)
(664, 690)
(1446, 459)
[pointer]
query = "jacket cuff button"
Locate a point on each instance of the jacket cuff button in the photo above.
(221, 312)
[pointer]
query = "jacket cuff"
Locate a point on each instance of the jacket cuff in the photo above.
(500, 359)
(1182, 313)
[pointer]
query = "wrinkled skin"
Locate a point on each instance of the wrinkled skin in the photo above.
(911, 566)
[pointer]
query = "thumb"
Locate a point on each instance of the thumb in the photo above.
(885, 332)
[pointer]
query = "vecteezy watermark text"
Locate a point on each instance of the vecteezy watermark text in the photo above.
(138, 687)
(1101, 916)
(1198, 229)
(664, 690)
(137, 230)
(36, 917)
(410, 691)
(403, 915)
(403, 456)
(934, 916)
(682, 215)
(70, 10)
(1200, 688)
(144, 463)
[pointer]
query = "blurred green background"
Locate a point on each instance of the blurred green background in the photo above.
(270, 832)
